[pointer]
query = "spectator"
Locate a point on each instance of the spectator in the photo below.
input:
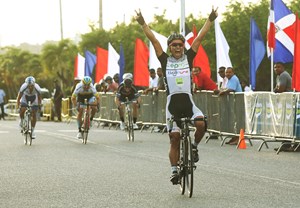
(153, 79)
(283, 79)
(224, 81)
(245, 86)
(2, 101)
(58, 95)
(283, 84)
(202, 81)
(160, 80)
(111, 86)
(233, 85)
(116, 78)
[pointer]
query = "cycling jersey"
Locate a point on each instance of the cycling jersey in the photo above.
(28, 95)
(82, 93)
(179, 87)
(178, 72)
(131, 93)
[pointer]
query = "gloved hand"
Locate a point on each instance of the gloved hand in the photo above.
(213, 15)
(139, 18)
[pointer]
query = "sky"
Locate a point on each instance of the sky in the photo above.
(38, 21)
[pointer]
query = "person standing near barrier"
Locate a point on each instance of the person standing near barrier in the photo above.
(29, 92)
(283, 79)
(177, 71)
(111, 86)
(283, 84)
(153, 79)
(2, 102)
(57, 98)
(127, 90)
(233, 85)
(85, 90)
(116, 78)
(202, 81)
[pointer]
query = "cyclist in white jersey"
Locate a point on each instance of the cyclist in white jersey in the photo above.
(29, 91)
(85, 90)
(177, 72)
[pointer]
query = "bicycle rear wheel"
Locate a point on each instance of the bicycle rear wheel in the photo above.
(189, 177)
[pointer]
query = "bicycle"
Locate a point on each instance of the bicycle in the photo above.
(186, 165)
(26, 125)
(86, 120)
(129, 119)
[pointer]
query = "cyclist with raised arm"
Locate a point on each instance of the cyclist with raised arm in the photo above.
(85, 90)
(177, 72)
(29, 92)
(127, 90)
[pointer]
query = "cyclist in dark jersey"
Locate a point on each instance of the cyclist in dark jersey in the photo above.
(177, 72)
(127, 90)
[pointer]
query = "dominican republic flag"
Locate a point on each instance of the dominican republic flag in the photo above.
(281, 32)
(201, 59)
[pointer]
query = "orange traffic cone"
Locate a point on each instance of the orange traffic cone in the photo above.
(242, 143)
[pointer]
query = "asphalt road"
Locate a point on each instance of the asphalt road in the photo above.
(109, 171)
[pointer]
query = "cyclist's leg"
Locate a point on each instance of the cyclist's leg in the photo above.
(79, 118)
(120, 108)
(174, 148)
(93, 101)
(135, 109)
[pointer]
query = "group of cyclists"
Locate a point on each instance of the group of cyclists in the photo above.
(176, 69)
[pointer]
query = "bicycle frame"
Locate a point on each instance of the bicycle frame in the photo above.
(129, 120)
(186, 164)
(86, 121)
(26, 125)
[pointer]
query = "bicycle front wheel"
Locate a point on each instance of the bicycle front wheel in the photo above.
(182, 165)
(189, 177)
(130, 130)
(86, 126)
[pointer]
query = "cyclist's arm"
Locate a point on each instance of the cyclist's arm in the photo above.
(39, 99)
(74, 99)
(147, 31)
(197, 41)
(20, 94)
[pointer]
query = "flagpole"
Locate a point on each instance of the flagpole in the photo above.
(272, 69)
(182, 18)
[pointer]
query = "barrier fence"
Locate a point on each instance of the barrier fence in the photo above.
(263, 115)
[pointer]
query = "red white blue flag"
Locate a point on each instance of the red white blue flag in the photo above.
(281, 32)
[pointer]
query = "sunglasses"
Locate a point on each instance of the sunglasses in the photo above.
(177, 44)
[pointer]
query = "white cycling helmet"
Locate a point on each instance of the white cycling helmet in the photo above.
(127, 76)
(30, 80)
(127, 79)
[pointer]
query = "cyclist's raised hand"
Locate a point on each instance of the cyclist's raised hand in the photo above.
(213, 15)
(139, 17)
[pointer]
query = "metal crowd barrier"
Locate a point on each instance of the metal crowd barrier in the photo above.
(270, 117)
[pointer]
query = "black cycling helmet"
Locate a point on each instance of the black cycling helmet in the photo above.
(175, 36)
